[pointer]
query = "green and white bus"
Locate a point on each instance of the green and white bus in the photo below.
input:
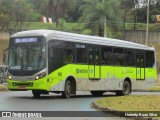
(52, 61)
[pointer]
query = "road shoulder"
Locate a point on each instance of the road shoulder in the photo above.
(3, 87)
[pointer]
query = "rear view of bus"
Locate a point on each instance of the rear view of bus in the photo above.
(27, 62)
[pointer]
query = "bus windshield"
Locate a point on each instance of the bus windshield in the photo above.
(27, 57)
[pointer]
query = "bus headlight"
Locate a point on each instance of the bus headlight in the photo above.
(9, 77)
(39, 76)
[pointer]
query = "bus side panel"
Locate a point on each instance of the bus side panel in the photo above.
(131, 73)
(80, 72)
(57, 78)
(149, 82)
(107, 77)
(118, 77)
(151, 74)
(111, 78)
(121, 73)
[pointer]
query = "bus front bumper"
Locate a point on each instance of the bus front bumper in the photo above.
(28, 85)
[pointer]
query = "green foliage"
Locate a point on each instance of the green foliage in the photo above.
(14, 14)
(4, 19)
(34, 17)
(62, 23)
(141, 11)
(95, 12)
(70, 27)
(57, 9)
(40, 25)
(86, 32)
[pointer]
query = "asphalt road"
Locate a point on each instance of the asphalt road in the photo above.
(24, 101)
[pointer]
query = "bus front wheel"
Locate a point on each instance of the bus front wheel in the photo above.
(126, 89)
(67, 90)
(36, 93)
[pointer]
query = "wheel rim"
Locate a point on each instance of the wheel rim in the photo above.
(126, 89)
(68, 89)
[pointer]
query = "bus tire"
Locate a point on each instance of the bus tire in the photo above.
(126, 89)
(67, 89)
(97, 93)
(36, 93)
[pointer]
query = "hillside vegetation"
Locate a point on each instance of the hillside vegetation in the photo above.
(79, 28)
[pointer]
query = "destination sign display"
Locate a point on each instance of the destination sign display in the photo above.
(26, 40)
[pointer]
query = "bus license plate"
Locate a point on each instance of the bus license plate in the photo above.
(21, 87)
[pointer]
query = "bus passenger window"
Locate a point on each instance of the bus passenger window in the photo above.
(81, 55)
(150, 63)
(118, 56)
(68, 56)
(129, 58)
(55, 55)
(106, 56)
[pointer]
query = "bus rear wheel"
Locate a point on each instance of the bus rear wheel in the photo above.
(36, 93)
(97, 93)
(67, 90)
(126, 89)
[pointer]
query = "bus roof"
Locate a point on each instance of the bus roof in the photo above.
(65, 36)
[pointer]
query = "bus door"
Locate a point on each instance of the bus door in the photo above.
(94, 64)
(140, 66)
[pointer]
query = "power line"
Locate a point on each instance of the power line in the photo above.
(102, 21)
(107, 21)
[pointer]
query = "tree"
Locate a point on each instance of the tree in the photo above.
(141, 10)
(5, 14)
(22, 9)
(75, 14)
(58, 8)
(4, 19)
(38, 10)
(15, 13)
(127, 5)
(96, 12)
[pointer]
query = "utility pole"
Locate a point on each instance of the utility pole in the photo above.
(147, 22)
(105, 34)
(105, 30)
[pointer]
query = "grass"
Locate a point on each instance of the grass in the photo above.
(142, 26)
(77, 26)
(52, 26)
(131, 103)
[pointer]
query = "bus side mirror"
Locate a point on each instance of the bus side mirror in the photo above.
(5, 57)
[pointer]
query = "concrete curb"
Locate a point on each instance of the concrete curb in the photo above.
(115, 112)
